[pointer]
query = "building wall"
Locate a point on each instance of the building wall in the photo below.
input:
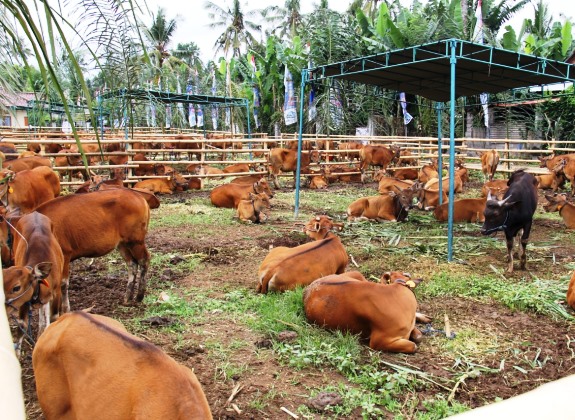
(17, 118)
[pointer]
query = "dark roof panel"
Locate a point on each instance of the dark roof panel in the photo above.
(425, 70)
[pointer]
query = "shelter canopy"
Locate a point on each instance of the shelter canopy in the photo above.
(171, 97)
(424, 70)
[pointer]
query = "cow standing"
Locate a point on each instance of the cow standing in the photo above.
(513, 214)
(377, 156)
(285, 160)
(489, 162)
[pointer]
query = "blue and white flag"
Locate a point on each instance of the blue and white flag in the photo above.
(200, 118)
(168, 115)
(290, 112)
(191, 109)
(180, 105)
(407, 117)
(479, 38)
(335, 107)
(214, 106)
(312, 109)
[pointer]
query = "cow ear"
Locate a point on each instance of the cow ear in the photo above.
(392, 193)
(386, 277)
(42, 270)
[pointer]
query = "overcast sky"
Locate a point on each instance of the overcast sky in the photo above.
(193, 18)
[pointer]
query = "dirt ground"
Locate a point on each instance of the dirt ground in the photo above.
(230, 257)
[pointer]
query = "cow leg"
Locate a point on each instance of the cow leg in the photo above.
(43, 318)
(137, 259)
(523, 246)
(510, 241)
(64, 287)
(416, 336)
(399, 345)
(275, 180)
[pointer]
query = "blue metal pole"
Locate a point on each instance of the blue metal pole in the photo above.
(304, 76)
(439, 107)
(452, 61)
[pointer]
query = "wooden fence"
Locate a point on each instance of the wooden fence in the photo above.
(514, 153)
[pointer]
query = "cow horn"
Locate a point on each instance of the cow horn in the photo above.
(489, 196)
(501, 202)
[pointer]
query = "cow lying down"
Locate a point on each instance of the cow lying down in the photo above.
(89, 366)
(255, 209)
(286, 268)
(383, 313)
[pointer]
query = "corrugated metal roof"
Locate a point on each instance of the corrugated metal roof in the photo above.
(425, 70)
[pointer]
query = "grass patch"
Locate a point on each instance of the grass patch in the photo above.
(539, 296)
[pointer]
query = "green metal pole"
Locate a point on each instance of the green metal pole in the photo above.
(249, 129)
(304, 77)
(452, 61)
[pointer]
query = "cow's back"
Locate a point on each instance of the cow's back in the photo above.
(86, 364)
(91, 225)
(229, 195)
(32, 187)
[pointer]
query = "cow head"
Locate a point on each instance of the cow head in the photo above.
(262, 186)
(496, 214)
(6, 176)
(555, 202)
(22, 285)
(406, 197)
(318, 227)
(543, 160)
(261, 205)
(392, 277)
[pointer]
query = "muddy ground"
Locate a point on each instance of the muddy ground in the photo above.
(534, 348)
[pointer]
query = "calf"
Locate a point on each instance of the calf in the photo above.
(384, 314)
(286, 268)
(391, 184)
(37, 272)
(465, 210)
(428, 172)
(25, 190)
(513, 214)
(428, 199)
(110, 219)
(433, 184)
(558, 202)
(230, 195)
(393, 206)
(86, 364)
(377, 156)
(489, 162)
(285, 160)
(497, 187)
(30, 162)
(235, 168)
(254, 209)
(550, 181)
(404, 173)
(566, 168)
(163, 185)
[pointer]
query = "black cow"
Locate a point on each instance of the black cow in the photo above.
(513, 214)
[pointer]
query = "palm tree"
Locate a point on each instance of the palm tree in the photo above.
(159, 36)
(289, 18)
(237, 30)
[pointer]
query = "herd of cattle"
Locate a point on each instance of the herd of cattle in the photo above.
(42, 232)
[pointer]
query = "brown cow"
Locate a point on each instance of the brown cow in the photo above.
(286, 268)
(489, 162)
(67, 158)
(390, 184)
(235, 168)
(8, 150)
(433, 184)
(384, 314)
(92, 225)
(558, 202)
(211, 170)
(25, 190)
(86, 364)
(285, 160)
(391, 206)
(461, 171)
(342, 173)
(37, 272)
(428, 199)
(497, 187)
(254, 209)
(552, 181)
(428, 172)
(404, 173)
(566, 167)
(377, 156)
(464, 210)
(165, 185)
(247, 179)
(30, 162)
(552, 160)
(147, 169)
(351, 150)
(571, 292)
(229, 195)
